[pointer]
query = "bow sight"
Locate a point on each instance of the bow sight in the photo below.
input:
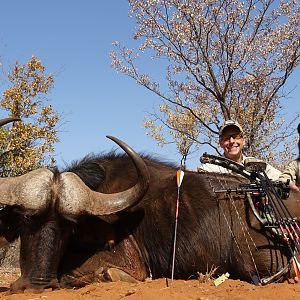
(266, 199)
(254, 170)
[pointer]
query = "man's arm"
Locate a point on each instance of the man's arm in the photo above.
(290, 173)
(272, 172)
(213, 168)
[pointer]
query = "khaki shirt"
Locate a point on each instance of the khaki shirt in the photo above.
(271, 172)
(291, 172)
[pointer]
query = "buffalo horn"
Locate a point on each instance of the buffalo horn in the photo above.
(31, 190)
(77, 198)
(8, 120)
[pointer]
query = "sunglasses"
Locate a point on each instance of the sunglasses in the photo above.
(235, 136)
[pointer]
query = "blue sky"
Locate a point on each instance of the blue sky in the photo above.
(73, 39)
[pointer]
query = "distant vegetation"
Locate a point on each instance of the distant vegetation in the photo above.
(27, 144)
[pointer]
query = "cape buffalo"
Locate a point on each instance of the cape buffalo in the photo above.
(111, 216)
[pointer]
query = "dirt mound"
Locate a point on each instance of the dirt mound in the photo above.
(156, 290)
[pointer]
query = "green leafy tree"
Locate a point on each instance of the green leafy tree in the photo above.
(223, 60)
(28, 144)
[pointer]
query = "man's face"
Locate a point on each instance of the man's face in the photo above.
(232, 143)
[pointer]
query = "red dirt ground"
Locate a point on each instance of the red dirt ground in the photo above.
(157, 290)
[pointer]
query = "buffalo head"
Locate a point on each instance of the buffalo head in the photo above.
(48, 205)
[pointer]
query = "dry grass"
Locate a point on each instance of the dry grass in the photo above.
(208, 276)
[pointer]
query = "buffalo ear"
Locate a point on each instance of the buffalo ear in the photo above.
(10, 224)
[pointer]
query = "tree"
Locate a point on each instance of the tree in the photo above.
(28, 143)
(226, 59)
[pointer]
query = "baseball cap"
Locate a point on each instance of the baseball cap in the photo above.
(299, 128)
(230, 123)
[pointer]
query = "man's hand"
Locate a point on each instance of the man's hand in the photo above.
(294, 187)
